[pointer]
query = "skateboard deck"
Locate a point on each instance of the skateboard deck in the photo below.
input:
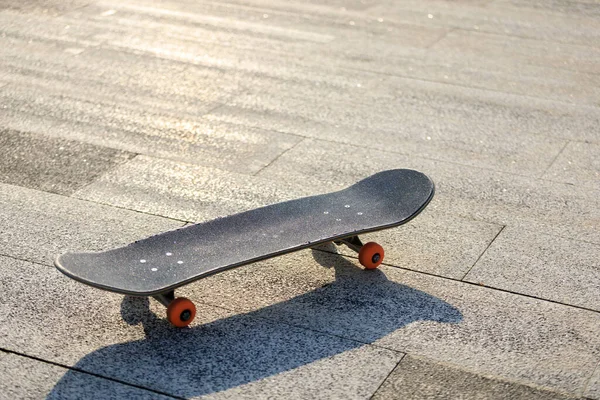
(159, 264)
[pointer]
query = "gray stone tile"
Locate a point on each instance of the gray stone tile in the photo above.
(417, 378)
(407, 109)
(271, 24)
(53, 165)
(24, 378)
(402, 115)
(541, 265)
(496, 17)
(45, 7)
(39, 226)
(152, 115)
(480, 329)
(521, 51)
(224, 354)
(436, 243)
(568, 7)
(68, 64)
(493, 197)
(227, 153)
(185, 191)
(579, 164)
(593, 389)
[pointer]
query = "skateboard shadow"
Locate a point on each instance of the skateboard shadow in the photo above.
(241, 349)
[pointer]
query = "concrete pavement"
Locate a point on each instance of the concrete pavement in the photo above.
(119, 120)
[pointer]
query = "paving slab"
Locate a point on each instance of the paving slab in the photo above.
(69, 64)
(504, 199)
(593, 389)
(53, 165)
(418, 378)
(522, 51)
(226, 354)
(150, 116)
(44, 225)
(436, 242)
(493, 332)
(568, 7)
(541, 265)
(46, 7)
(496, 17)
(185, 191)
(577, 164)
(25, 378)
(402, 116)
(525, 19)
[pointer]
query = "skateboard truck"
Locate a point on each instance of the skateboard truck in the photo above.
(370, 255)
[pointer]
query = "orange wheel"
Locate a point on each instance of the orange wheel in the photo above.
(371, 255)
(181, 312)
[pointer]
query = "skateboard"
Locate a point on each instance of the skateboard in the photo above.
(158, 265)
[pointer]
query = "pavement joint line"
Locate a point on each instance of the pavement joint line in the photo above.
(217, 106)
(472, 283)
(129, 209)
(551, 163)
(526, 96)
(41, 264)
(109, 170)
(492, 376)
(19, 354)
(387, 376)
(101, 203)
(483, 252)
(74, 197)
(278, 156)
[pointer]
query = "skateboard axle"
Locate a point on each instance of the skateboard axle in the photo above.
(353, 243)
(165, 298)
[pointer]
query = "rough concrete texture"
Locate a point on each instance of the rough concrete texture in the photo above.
(38, 226)
(417, 378)
(53, 165)
(186, 191)
(231, 104)
(541, 265)
(593, 388)
(130, 115)
(577, 164)
(225, 353)
(467, 325)
(25, 378)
